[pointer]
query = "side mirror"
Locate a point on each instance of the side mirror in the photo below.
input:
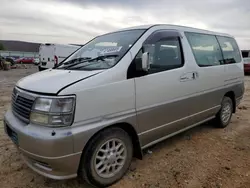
(145, 61)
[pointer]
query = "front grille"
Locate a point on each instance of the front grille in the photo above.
(21, 105)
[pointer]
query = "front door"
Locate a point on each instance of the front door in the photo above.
(162, 94)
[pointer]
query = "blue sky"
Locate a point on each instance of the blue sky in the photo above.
(77, 21)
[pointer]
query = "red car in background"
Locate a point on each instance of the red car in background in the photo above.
(246, 65)
(25, 60)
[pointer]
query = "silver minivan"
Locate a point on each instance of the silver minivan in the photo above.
(120, 93)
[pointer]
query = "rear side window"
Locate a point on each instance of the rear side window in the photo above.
(206, 49)
(230, 50)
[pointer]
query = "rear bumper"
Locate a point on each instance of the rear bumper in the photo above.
(41, 68)
(47, 65)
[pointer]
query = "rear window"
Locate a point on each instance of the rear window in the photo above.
(230, 50)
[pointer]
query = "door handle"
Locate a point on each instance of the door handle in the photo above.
(195, 75)
(189, 76)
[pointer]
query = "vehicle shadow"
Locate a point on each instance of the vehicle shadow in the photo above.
(72, 183)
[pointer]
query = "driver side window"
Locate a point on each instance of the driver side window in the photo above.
(165, 53)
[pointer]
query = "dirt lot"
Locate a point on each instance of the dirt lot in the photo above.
(201, 157)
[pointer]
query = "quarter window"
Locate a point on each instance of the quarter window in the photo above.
(230, 50)
(206, 49)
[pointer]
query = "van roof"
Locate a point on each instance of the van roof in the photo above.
(177, 27)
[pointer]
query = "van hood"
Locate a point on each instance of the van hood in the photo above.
(52, 81)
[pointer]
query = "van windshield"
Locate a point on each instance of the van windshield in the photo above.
(103, 52)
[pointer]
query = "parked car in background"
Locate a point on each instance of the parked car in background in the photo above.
(11, 60)
(25, 60)
(14, 57)
(53, 54)
(246, 61)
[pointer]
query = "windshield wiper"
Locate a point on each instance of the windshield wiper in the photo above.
(71, 61)
(76, 59)
(90, 60)
(102, 57)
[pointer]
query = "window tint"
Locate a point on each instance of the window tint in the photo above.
(163, 55)
(206, 49)
(230, 50)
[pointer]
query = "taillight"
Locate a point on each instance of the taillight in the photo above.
(56, 60)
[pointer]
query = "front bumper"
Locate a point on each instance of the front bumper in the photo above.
(59, 168)
(51, 155)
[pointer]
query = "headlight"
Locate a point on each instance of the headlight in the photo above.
(43, 104)
(54, 112)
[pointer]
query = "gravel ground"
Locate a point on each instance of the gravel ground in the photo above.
(201, 157)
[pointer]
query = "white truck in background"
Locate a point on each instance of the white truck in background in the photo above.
(53, 54)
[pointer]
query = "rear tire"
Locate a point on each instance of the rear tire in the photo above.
(224, 116)
(41, 69)
(106, 158)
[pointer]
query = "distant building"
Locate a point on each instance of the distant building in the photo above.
(17, 54)
(19, 49)
(20, 46)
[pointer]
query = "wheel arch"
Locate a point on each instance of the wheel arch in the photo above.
(137, 151)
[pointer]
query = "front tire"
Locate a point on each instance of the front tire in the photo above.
(224, 116)
(107, 157)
